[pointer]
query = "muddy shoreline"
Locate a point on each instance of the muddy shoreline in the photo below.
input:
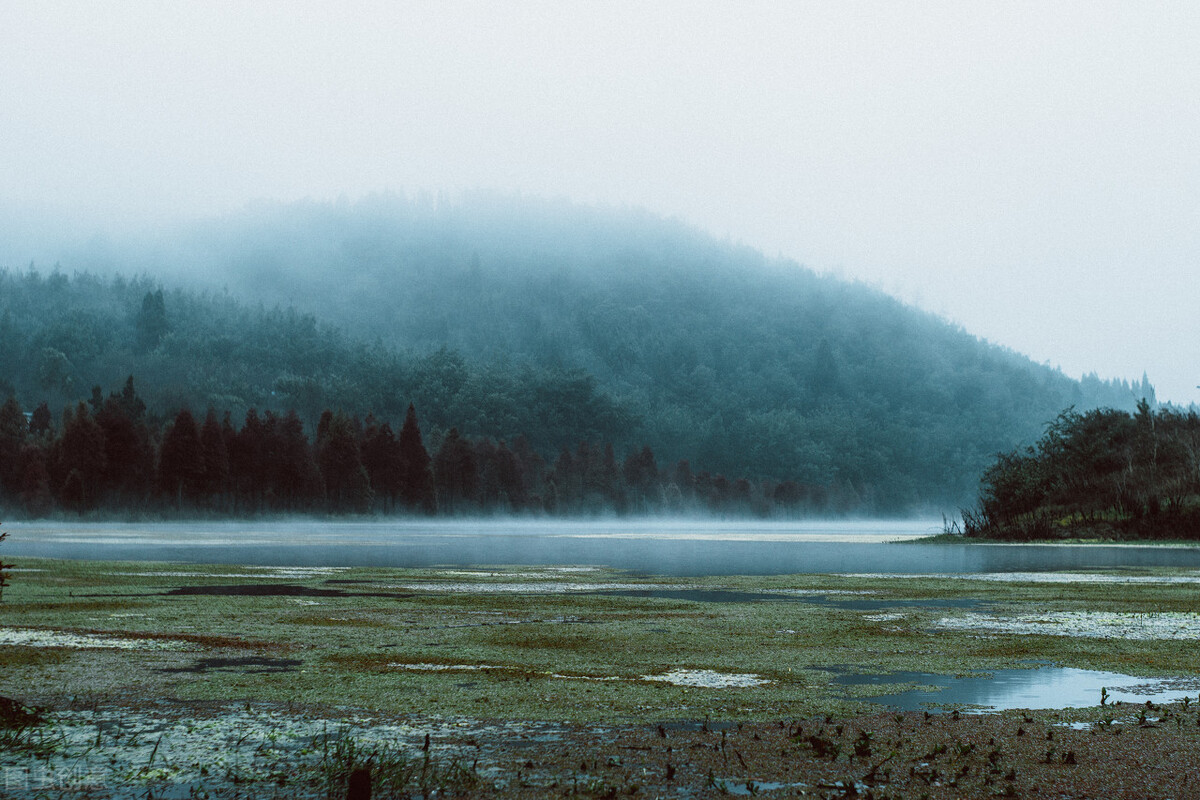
(173, 749)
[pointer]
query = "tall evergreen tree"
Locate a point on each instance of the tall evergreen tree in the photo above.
(130, 403)
(80, 453)
(417, 486)
(181, 459)
(151, 324)
(510, 479)
(214, 479)
(35, 482)
(455, 472)
(297, 480)
(42, 421)
(384, 463)
(13, 433)
(641, 478)
(346, 482)
(246, 462)
(128, 451)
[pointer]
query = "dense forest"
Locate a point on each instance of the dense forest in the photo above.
(545, 323)
(1103, 473)
(108, 454)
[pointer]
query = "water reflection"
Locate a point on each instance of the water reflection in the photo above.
(1039, 688)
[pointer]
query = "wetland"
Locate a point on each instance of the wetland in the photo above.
(179, 678)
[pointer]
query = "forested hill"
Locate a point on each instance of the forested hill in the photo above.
(562, 323)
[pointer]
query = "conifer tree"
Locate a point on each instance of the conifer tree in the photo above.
(42, 421)
(509, 478)
(13, 432)
(417, 485)
(383, 461)
(346, 482)
(455, 472)
(214, 457)
(130, 403)
(152, 323)
(181, 459)
(246, 462)
(128, 451)
(298, 481)
(80, 453)
(35, 482)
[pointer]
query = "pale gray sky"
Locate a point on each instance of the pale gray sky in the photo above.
(1030, 170)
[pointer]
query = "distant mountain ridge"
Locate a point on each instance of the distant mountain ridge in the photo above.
(702, 349)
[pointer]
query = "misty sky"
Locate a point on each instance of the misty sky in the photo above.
(1029, 170)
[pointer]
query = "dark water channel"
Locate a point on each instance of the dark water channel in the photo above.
(683, 548)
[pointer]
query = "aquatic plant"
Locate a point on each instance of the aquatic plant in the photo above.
(4, 574)
(24, 730)
(348, 760)
(862, 745)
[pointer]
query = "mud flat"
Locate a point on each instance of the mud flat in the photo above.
(526, 681)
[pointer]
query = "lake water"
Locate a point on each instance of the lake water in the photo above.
(673, 547)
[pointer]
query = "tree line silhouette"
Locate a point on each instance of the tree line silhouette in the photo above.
(108, 454)
(1103, 473)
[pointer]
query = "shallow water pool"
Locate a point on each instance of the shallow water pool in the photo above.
(1037, 688)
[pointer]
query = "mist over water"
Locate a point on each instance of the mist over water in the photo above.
(667, 547)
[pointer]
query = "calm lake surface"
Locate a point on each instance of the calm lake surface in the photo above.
(675, 547)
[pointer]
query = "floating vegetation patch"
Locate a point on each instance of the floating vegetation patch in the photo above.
(30, 637)
(708, 679)
(1086, 624)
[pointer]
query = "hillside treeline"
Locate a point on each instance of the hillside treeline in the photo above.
(108, 454)
(715, 353)
(60, 336)
(548, 321)
(1100, 473)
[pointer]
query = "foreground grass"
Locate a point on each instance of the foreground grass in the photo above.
(387, 656)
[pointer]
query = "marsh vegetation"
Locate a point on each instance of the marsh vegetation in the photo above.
(567, 669)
